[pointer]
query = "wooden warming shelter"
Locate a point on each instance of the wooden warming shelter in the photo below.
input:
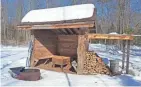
(61, 38)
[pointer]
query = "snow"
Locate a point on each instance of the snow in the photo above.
(113, 33)
(16, 56)
(60, 13)
(112, 52)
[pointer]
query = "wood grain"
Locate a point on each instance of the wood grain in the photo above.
(110, 36)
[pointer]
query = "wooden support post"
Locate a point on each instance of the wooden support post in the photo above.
(123, 55)
(33, 51)
(128, 55)
(81, 50)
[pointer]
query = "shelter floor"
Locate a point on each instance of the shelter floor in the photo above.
(48, 66)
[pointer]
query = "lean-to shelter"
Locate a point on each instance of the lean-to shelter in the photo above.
(56, 30)
(61, 38)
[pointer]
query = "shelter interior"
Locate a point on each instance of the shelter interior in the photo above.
(61, 42)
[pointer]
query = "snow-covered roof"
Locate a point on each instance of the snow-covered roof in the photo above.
(60, 13)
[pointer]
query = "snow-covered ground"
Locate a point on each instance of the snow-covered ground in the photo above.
(16, 56)
(112, 52)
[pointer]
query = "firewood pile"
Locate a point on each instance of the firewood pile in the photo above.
(93, 64)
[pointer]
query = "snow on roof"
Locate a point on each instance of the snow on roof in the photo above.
(60, 13)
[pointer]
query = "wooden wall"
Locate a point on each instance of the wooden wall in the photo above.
(45, 43)
(67, 45)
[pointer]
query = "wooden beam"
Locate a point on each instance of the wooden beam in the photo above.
(65, 32)
(73, 31)
(24, 27)
(76, 31)
(110, 36)
(59, 31)
(128, 55)
(57, 26)
(70, 31)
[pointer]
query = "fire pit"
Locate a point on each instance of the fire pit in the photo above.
(25, 74)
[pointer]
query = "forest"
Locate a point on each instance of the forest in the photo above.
(121, 16)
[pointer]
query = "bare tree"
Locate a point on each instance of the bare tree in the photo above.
(4, 21)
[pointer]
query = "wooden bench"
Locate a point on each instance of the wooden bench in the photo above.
(36, 60)
(60, 60)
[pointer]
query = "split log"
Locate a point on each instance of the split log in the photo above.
(93, 64)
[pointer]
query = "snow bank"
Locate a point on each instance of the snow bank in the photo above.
(60, 13)
(12, 54)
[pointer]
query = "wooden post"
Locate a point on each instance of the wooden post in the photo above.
(81, 50)
(33, 52)
(123, 55)
(128, 55)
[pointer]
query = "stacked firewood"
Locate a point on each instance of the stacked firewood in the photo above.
(93, 64)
